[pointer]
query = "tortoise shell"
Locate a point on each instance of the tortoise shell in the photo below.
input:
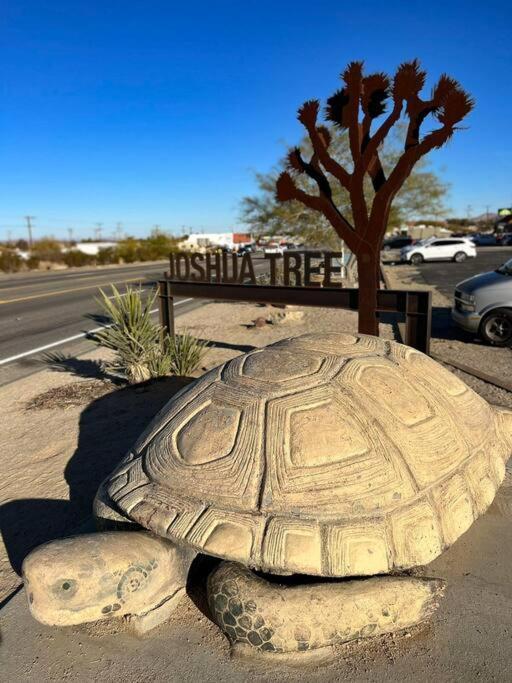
(331, 455)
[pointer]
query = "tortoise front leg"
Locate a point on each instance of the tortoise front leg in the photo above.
(104, 575)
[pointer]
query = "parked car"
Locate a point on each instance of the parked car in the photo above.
(273, 248)
(244, 250)
(483, 305)
(435, 249)
(506, 240)
(396, 243)
(484, 240)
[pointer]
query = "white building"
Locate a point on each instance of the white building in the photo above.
(92, 248)
(205, 240)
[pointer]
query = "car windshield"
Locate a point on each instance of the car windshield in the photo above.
(506, 268)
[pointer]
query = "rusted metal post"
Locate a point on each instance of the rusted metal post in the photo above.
(418, 320)
(166, 301)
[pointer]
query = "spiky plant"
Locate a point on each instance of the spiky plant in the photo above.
(137, 340)
(181, 355)
(132, 334)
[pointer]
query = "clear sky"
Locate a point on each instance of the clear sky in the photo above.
(159, 112)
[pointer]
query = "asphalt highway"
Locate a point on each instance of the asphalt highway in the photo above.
(43, 314)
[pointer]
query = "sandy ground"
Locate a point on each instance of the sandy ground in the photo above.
(454, 344)
(469, 638)
(63, 430)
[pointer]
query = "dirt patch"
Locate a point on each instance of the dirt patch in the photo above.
(69, 395)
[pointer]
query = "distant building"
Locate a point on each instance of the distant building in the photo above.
(92, 248)
(206, 240)
(421, 232)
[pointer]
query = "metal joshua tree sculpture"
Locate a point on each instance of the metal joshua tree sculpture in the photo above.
(354, 108)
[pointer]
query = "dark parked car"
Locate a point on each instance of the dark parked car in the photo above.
(485, 240)
(397, 243)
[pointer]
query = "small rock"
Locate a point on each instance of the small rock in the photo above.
(260, 322)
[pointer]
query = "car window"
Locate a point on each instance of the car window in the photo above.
(506, 268)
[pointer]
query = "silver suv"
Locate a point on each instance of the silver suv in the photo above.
(483, 305)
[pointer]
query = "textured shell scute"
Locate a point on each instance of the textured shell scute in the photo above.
(326, 454)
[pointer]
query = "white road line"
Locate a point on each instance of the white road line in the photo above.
(4, 361)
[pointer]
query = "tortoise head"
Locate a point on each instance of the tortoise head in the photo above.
(101, 575)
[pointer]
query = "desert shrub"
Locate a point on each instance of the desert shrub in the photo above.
(106, 256)
(75, 258)
(128, 250)
(137, 340)
(10, 262)
(33, 263)
(179, 355)
(48, 249)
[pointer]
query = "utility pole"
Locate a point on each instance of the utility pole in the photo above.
(70, 233)
(487, 207)
(29, 220)
(119, 231)
(97, 231)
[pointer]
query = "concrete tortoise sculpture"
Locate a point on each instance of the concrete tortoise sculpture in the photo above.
(326, 455)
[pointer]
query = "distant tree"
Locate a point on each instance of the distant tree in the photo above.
(48, 249)
(354, 109)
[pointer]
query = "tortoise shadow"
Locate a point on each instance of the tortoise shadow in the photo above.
(108, 427)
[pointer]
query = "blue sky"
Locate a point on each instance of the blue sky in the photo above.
(160, 112)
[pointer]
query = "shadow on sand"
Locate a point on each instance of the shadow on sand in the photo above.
(108, 428)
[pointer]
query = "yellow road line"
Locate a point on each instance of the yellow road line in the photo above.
(67, 291)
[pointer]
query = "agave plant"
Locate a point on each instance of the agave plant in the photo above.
(141, 354)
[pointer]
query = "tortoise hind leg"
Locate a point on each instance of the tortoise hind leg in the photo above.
(264, 616)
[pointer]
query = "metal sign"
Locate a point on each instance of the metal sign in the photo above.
(308, 278)
(299, 268)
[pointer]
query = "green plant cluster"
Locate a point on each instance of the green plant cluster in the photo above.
(129, 250)
(141, 350)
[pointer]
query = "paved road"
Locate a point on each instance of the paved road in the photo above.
(42, 313)
(53, 311)
(445, 275)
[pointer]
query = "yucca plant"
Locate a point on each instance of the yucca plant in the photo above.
(137, 340)
(132, 334)
(180, 355)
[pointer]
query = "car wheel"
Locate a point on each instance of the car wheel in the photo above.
(460, 256)
(386, 247)
(416, 259)
(496, 327)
